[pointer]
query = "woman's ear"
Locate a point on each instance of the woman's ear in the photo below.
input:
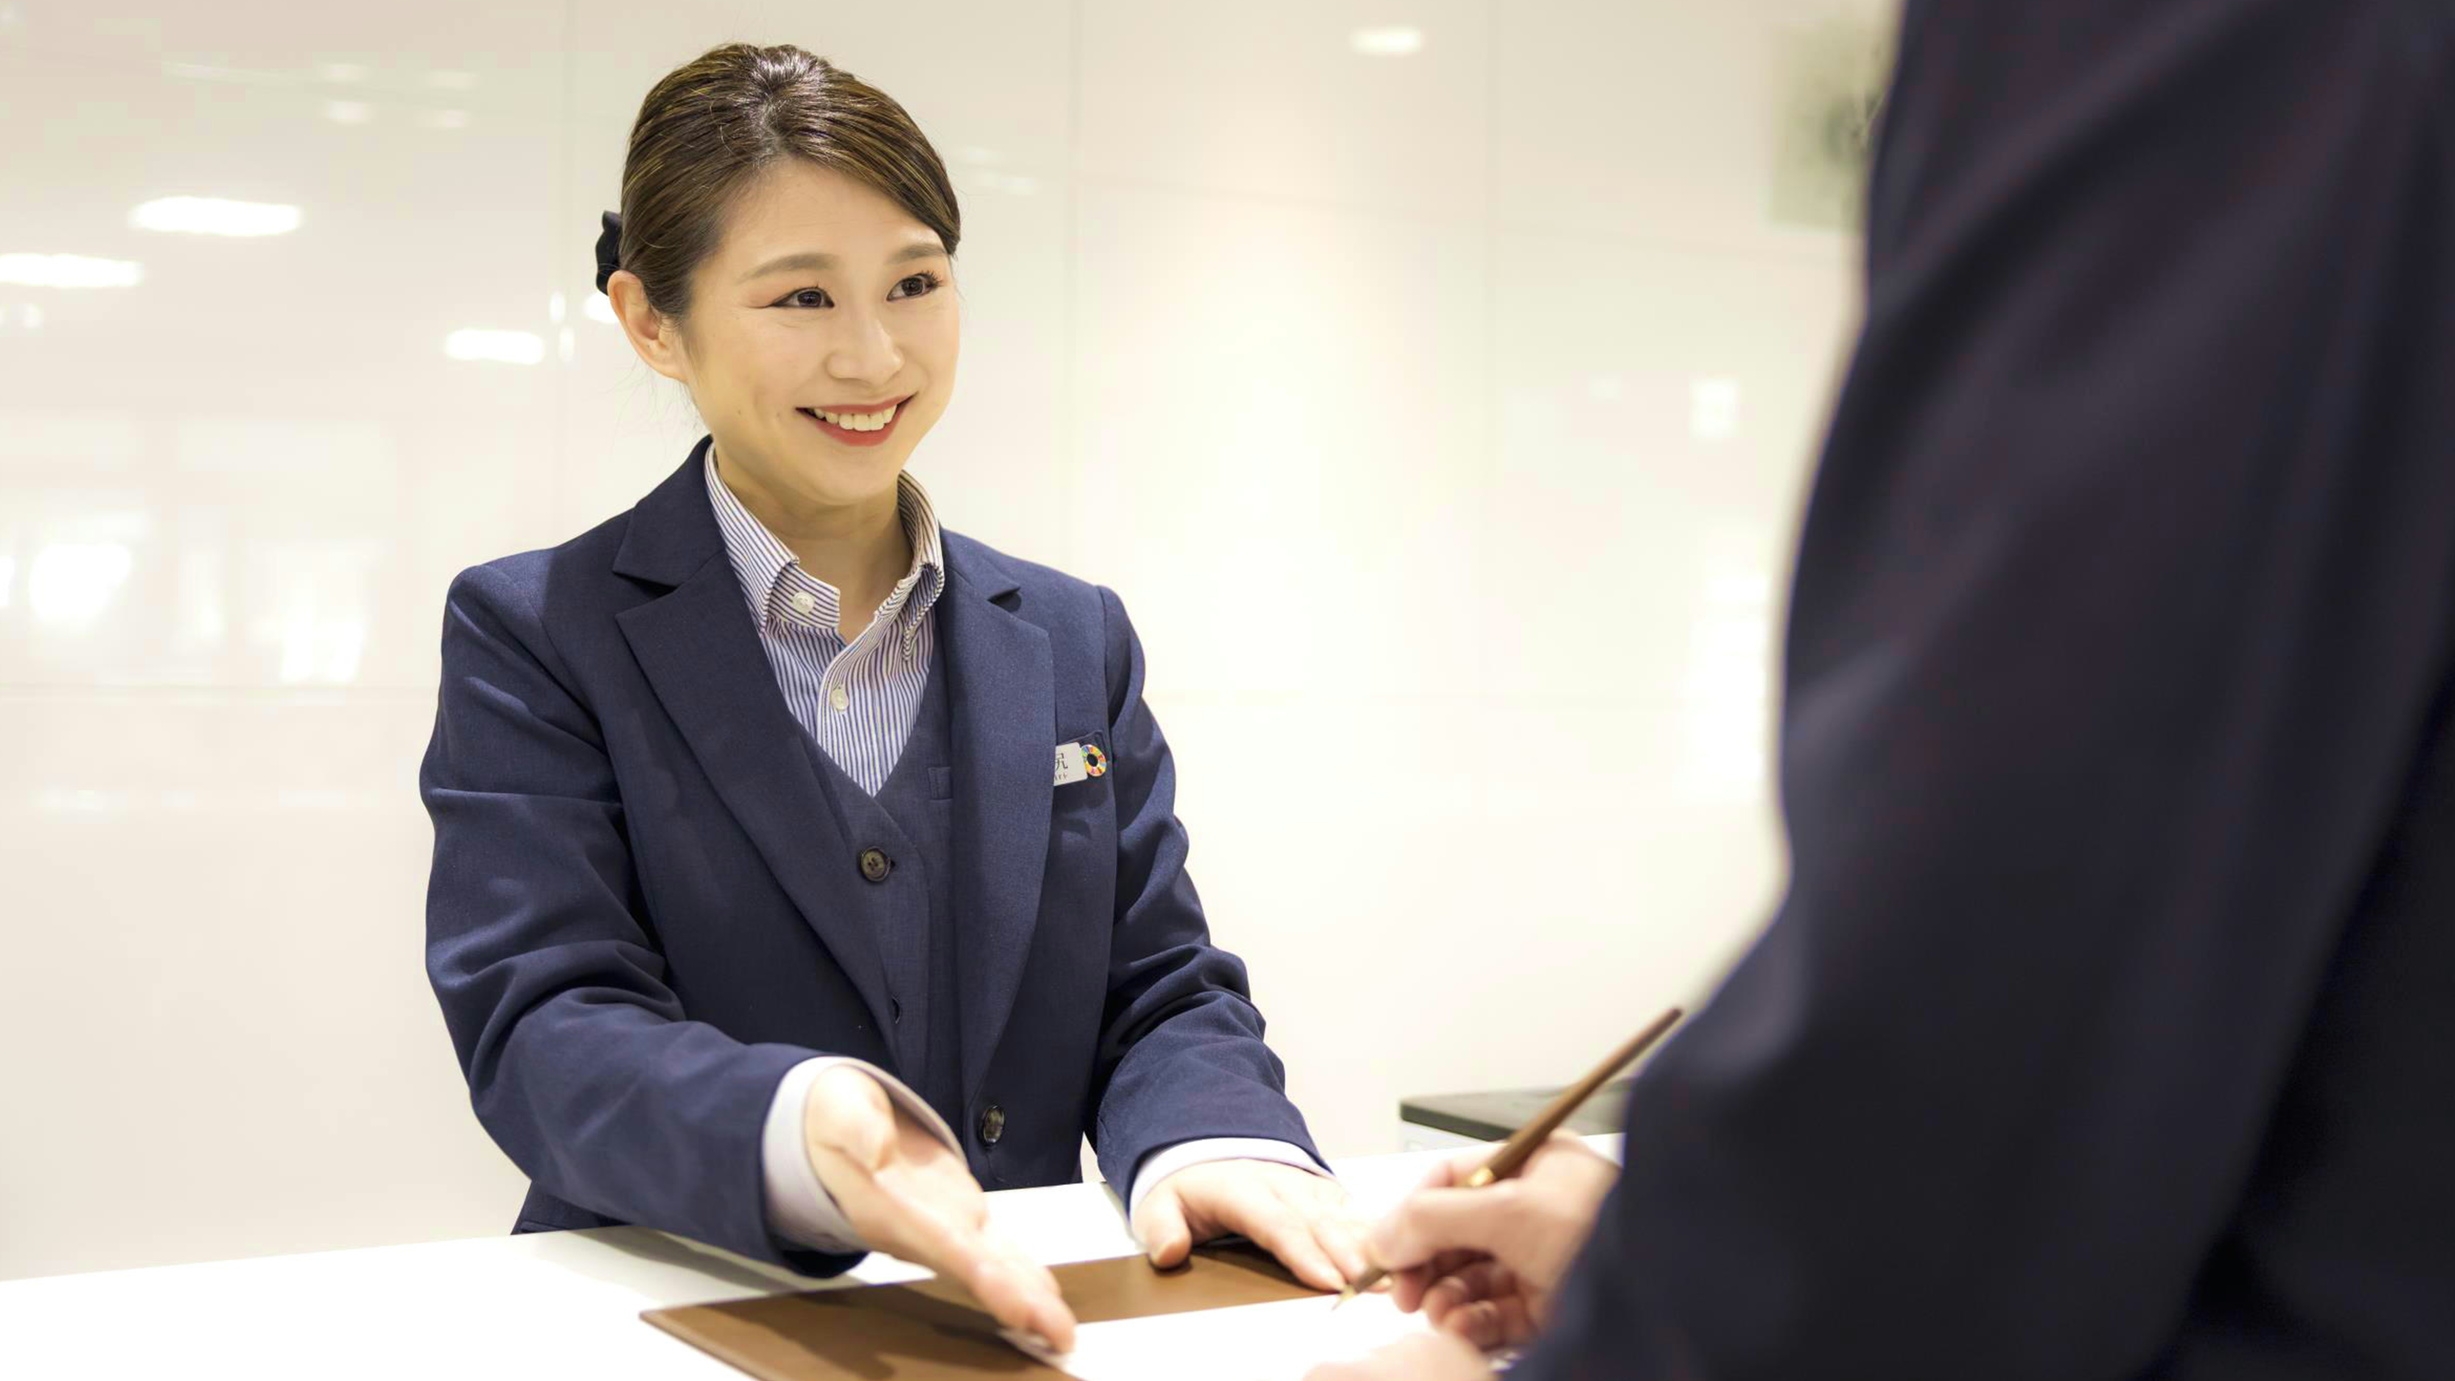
(655, 337)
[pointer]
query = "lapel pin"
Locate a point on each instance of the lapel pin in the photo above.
(1080, 761)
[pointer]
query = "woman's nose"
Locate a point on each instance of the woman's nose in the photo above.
(868, 351)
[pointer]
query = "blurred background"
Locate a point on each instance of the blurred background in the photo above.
(1436, 380)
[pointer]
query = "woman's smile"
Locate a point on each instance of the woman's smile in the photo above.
(867, 425)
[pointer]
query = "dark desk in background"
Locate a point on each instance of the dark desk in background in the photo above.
(1441, 1120)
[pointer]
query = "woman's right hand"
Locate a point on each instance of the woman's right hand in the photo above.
(910, 1196)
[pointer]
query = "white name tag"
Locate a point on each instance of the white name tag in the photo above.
(1080, 761)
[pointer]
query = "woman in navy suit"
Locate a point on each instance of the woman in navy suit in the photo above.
(800, 867)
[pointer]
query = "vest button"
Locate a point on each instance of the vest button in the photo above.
(876, 865)
(992, 1124)
(895, 1011)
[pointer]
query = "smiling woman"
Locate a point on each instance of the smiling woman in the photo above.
(802, 867)
(786, 237)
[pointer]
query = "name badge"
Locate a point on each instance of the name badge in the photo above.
(1080, 761)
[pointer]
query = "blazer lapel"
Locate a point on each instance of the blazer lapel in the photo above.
(1002, 692)
(701, 654)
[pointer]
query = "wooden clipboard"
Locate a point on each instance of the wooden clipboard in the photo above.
(931, 1330)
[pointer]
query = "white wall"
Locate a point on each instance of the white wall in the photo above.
(1395, 394)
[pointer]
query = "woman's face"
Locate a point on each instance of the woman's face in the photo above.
(821, 337)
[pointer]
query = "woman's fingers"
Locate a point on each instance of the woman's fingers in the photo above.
(1283, 1232)
(1237, 1199)
(1341, 1239)
(1017, 1292)
(941, 1221)
(909, 1196)
(1295, 1215)
(1160, 1223)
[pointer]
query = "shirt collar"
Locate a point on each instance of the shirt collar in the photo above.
(780, 591)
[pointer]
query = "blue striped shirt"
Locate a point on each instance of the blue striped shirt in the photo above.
(857, 701)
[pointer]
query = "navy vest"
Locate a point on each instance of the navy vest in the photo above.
(911, 822)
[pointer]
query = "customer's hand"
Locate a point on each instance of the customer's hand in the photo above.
(908, 1195)
(1295, 1215)
(1424, 1357)
(1483, 1263)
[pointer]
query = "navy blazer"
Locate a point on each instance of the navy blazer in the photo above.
(643, 909)
(2108, 1028)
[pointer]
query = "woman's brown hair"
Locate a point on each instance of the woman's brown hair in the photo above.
(715, 123)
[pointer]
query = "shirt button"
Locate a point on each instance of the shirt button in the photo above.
(838, 696)
(992, 1124)
(804, 601)
(875, 865)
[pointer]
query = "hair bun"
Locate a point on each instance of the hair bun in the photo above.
(609, 249)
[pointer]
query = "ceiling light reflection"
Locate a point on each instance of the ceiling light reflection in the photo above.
(1015, 184)
(599, 308)
(499, 347)
(69, 271)
(214, 216)
(1393, 41)
(1713, 409)
(1729, 681)
(69, 584)
(348, 112)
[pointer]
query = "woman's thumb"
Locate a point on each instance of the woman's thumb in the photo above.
(850, 1115)
(1160, 1223)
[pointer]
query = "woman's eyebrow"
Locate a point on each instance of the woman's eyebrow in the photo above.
(813, 261)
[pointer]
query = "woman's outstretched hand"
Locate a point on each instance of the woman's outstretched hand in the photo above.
(908, 1195)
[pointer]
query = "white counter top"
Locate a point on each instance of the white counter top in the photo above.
(534, 1307)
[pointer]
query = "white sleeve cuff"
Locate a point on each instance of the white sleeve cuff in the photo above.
(799, 1208)
(1166, 1161)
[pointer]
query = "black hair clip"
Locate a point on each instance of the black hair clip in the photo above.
(609, 249)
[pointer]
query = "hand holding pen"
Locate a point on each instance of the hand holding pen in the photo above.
(1481, 1245)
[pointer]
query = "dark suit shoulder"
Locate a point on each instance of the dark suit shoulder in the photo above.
(1045, 591)
(530, 571)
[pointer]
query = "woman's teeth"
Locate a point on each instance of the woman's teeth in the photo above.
(859, 421)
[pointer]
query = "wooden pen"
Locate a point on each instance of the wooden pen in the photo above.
(1521, 1145)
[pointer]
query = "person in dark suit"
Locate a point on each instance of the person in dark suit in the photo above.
(2107, 1029)
(801, 867)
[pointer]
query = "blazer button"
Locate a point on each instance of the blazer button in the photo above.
(992, 1124)
(875, 865)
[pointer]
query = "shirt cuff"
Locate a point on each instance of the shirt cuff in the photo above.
(1167, 1160)
(799, 1208)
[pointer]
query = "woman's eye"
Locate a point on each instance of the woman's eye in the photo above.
(915, 286)
(808, 297)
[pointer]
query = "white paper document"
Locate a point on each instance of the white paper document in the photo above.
(1253, 1342)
